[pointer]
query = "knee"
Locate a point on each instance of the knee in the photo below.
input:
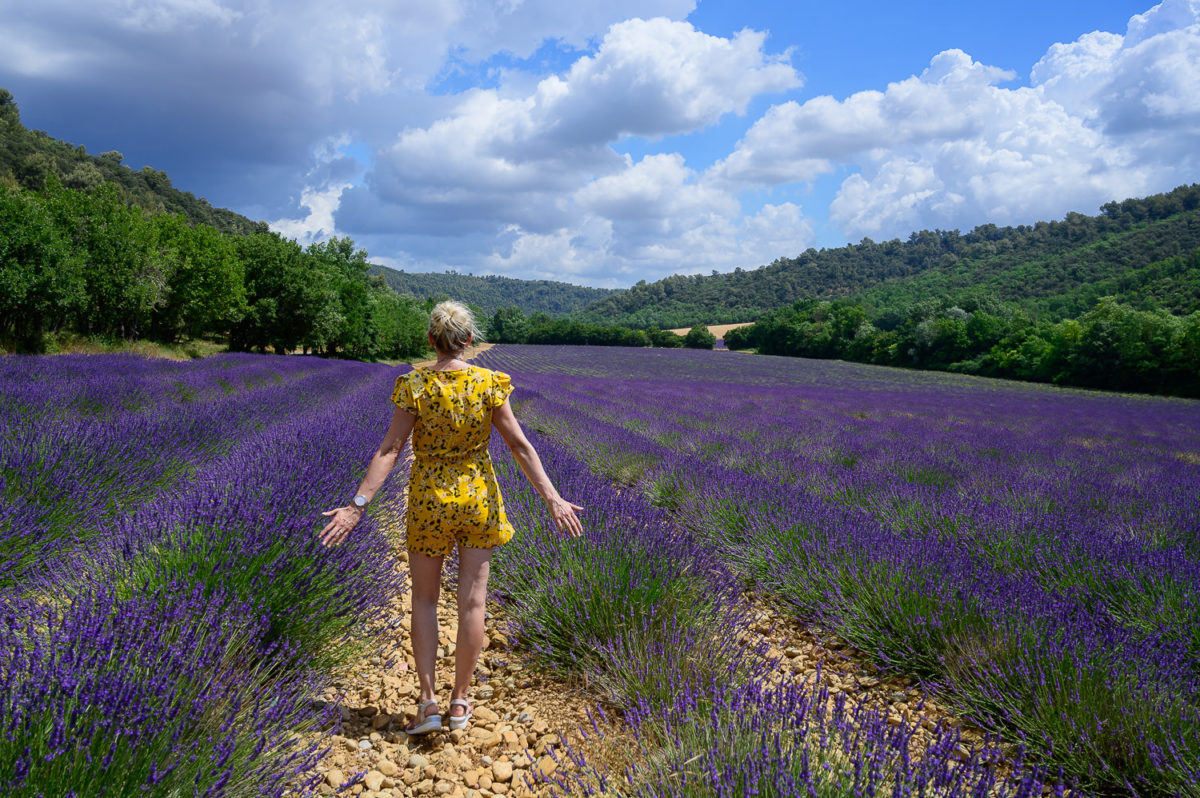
(425, 597)
(472, 601)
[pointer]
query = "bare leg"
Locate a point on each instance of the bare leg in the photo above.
(474, 565)
(426, 573)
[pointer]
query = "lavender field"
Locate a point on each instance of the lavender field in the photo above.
(168, 616)
(1031, 554)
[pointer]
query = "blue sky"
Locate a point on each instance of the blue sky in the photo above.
(607, 142)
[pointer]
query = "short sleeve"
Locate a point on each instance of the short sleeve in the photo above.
(501, 388)
(402, 395)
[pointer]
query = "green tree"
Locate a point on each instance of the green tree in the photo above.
(699, 338)
(42, 284)
(206, 294)
(508, 326)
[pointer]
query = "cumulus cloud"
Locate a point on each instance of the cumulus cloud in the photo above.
(251, 84)
(539, 170)
(1106, 116)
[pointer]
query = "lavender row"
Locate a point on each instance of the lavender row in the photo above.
(650, 616)
(86, 439)
(1032, 552)
(177, 644)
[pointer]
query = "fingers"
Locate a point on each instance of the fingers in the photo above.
(336, 530)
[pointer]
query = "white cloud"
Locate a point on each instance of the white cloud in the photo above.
(538, 170)
(318, 224)
(1107, 116)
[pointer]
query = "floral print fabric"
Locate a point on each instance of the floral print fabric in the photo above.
(452, 490)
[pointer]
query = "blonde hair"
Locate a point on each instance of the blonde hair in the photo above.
(452, 327)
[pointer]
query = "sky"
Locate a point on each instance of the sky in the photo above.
(602, 142)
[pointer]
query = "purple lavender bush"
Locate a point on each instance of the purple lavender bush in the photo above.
(169, 612)
(1031, 552)
(165, 693)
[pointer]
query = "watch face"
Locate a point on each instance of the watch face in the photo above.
(360, 501)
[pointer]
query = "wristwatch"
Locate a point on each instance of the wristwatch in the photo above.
(360, 501)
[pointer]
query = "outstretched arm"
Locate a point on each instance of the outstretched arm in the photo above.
(561, 510)
(344, 518)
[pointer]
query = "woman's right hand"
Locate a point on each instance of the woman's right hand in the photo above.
(563, 513)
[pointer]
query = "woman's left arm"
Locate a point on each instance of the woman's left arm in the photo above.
(344, 518)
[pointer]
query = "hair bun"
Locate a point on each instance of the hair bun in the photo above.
(452, 327)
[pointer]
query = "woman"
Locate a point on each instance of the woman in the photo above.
(453, 499)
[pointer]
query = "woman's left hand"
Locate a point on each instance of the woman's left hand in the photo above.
(344, 519)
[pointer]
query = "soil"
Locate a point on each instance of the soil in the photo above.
(718, 330)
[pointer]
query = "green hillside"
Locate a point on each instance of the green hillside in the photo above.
(492, 292)
(1138, 249)
(30, 156)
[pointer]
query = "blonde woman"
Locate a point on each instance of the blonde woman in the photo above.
(453, 499)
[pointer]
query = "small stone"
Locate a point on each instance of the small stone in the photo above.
(417, 761)
(499, 640)
(374, 660)
(373, 780)
(524, 717)
(487, 760)
(486, 715)
(387, 767)
(867, 681)
(540, 727)
(458, 735)
(365, 745)
(443, 788)
(381, 721)
(545, 767)
(367, 712)
(335, 778)
(471, 778)
(345, 713)
(500, 788)
(423, 787)
(485, 692)
(430, 772)
(502, 771)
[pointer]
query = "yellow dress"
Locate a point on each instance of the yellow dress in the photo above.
(452, 490)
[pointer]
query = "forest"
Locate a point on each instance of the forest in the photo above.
(1137, 249)
(491, 292)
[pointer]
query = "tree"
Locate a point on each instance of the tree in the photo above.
(206, 293)
(41, 277)
(699, 338)
(508, 326)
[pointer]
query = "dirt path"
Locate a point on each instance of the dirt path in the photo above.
(523, 716)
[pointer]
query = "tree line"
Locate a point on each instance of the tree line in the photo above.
(1112, 346)
(1055, 269)
(510, 325)
(86, 261)
(491, 292)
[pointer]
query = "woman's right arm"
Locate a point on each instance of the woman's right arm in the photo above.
(561, 510)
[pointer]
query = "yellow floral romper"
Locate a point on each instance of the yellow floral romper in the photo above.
(452, 490)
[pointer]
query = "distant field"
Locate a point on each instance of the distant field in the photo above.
(718, 330)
